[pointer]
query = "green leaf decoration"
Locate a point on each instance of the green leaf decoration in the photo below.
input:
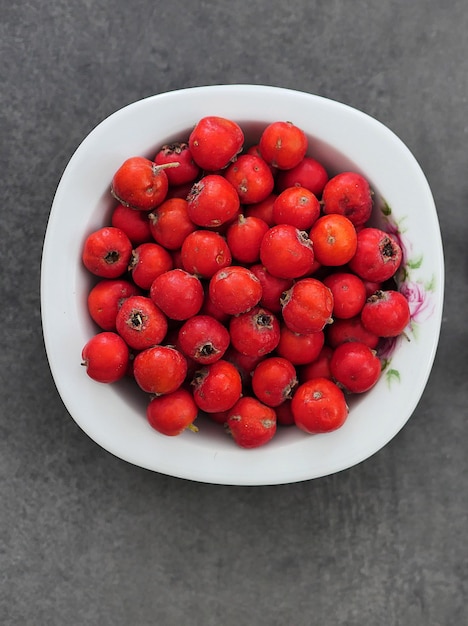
(430, 285)
(392, 375)
(414, 264)
(386, 210)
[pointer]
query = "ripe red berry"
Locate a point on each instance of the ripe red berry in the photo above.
(203, 339)
(172, 413)
(349, 294)
(378, 255)
(215, 142)
(105, 357)
(251, 423)
(299, 348)
(263, 210)
(255, 333)
(334, 240)
(286, 252)
(213, 201)
(296, 206)
(178, 152)
(355, 367)
(135, 224)
(140, 184)
(244, 237)
(348, 194)
(217, 387)
(283, 145)
(274, 380)
(140, 322)
(307, 307)
(235, 289)
(351, 329)
(319, 406)
(204, 252)
(251, 176)
(178, 294)
(160, 369)
(170, 224)
(106, 298)
(386, 313)
(272, 287)
(106, 252)
(148, 261)
(309, 173)
(320, 368)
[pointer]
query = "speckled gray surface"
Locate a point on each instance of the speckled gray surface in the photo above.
(86, 539)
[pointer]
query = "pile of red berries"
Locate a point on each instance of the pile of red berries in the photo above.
(243, 283)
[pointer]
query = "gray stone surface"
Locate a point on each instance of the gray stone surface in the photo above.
(86, 539)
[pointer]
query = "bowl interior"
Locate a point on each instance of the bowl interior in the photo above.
(342, 139)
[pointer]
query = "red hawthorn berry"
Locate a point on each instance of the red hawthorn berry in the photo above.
(172, 413)
(178, 294)
(106, 298)
(307, 307)
(215, 142)
(355, 367)
(106, 252)
(386, 313)
(212, 201)
(160, 369)
(178, 152)
(235, 289)
(217, 387)
(348, 194)
(170, 224)
(141, 323)
(255, 333)
(378, 255)
(283, 145)
(251, 423)
(309, 173)
(106, 357)
(203, 339)
(274, 380)
(140, 184)
(286, 252)
(319, 406)
(251, 177)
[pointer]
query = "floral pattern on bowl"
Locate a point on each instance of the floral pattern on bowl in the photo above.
(417, 290)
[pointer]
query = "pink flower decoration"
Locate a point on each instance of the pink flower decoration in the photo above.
(420, 305)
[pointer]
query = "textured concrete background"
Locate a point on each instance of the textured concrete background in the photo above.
(86, 539)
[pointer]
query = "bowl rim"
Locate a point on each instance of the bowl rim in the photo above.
(210, 472)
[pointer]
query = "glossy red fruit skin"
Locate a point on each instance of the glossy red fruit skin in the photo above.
(178, 152)
(286, 252)
(148, 261)
(307, 307)
(141, 323)
(244, 237)
(204, 339)
(255, 333)
(355, 367)
(172, 413)
(378, 255)
(352, 329)
(217, 387)
(106, 298)
(235, 289)
(140, 184)
(160, 369)
(319, 368)
(251, 423)
(348, 194)
(215, 142)
(386, 313)
(309, 173)
(106, 357)
(272, 287)
(178, 294)
(274, 380)
(212, 201)
(107, 252)
(135, 224)
(170, 224)
(319, 406)
(283, 145)
(296, 206)
(263, 210)
(297, 348)
(251, 177)
(204, 252)
(349, 294)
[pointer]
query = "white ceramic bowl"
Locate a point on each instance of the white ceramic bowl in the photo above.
(342, 138)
